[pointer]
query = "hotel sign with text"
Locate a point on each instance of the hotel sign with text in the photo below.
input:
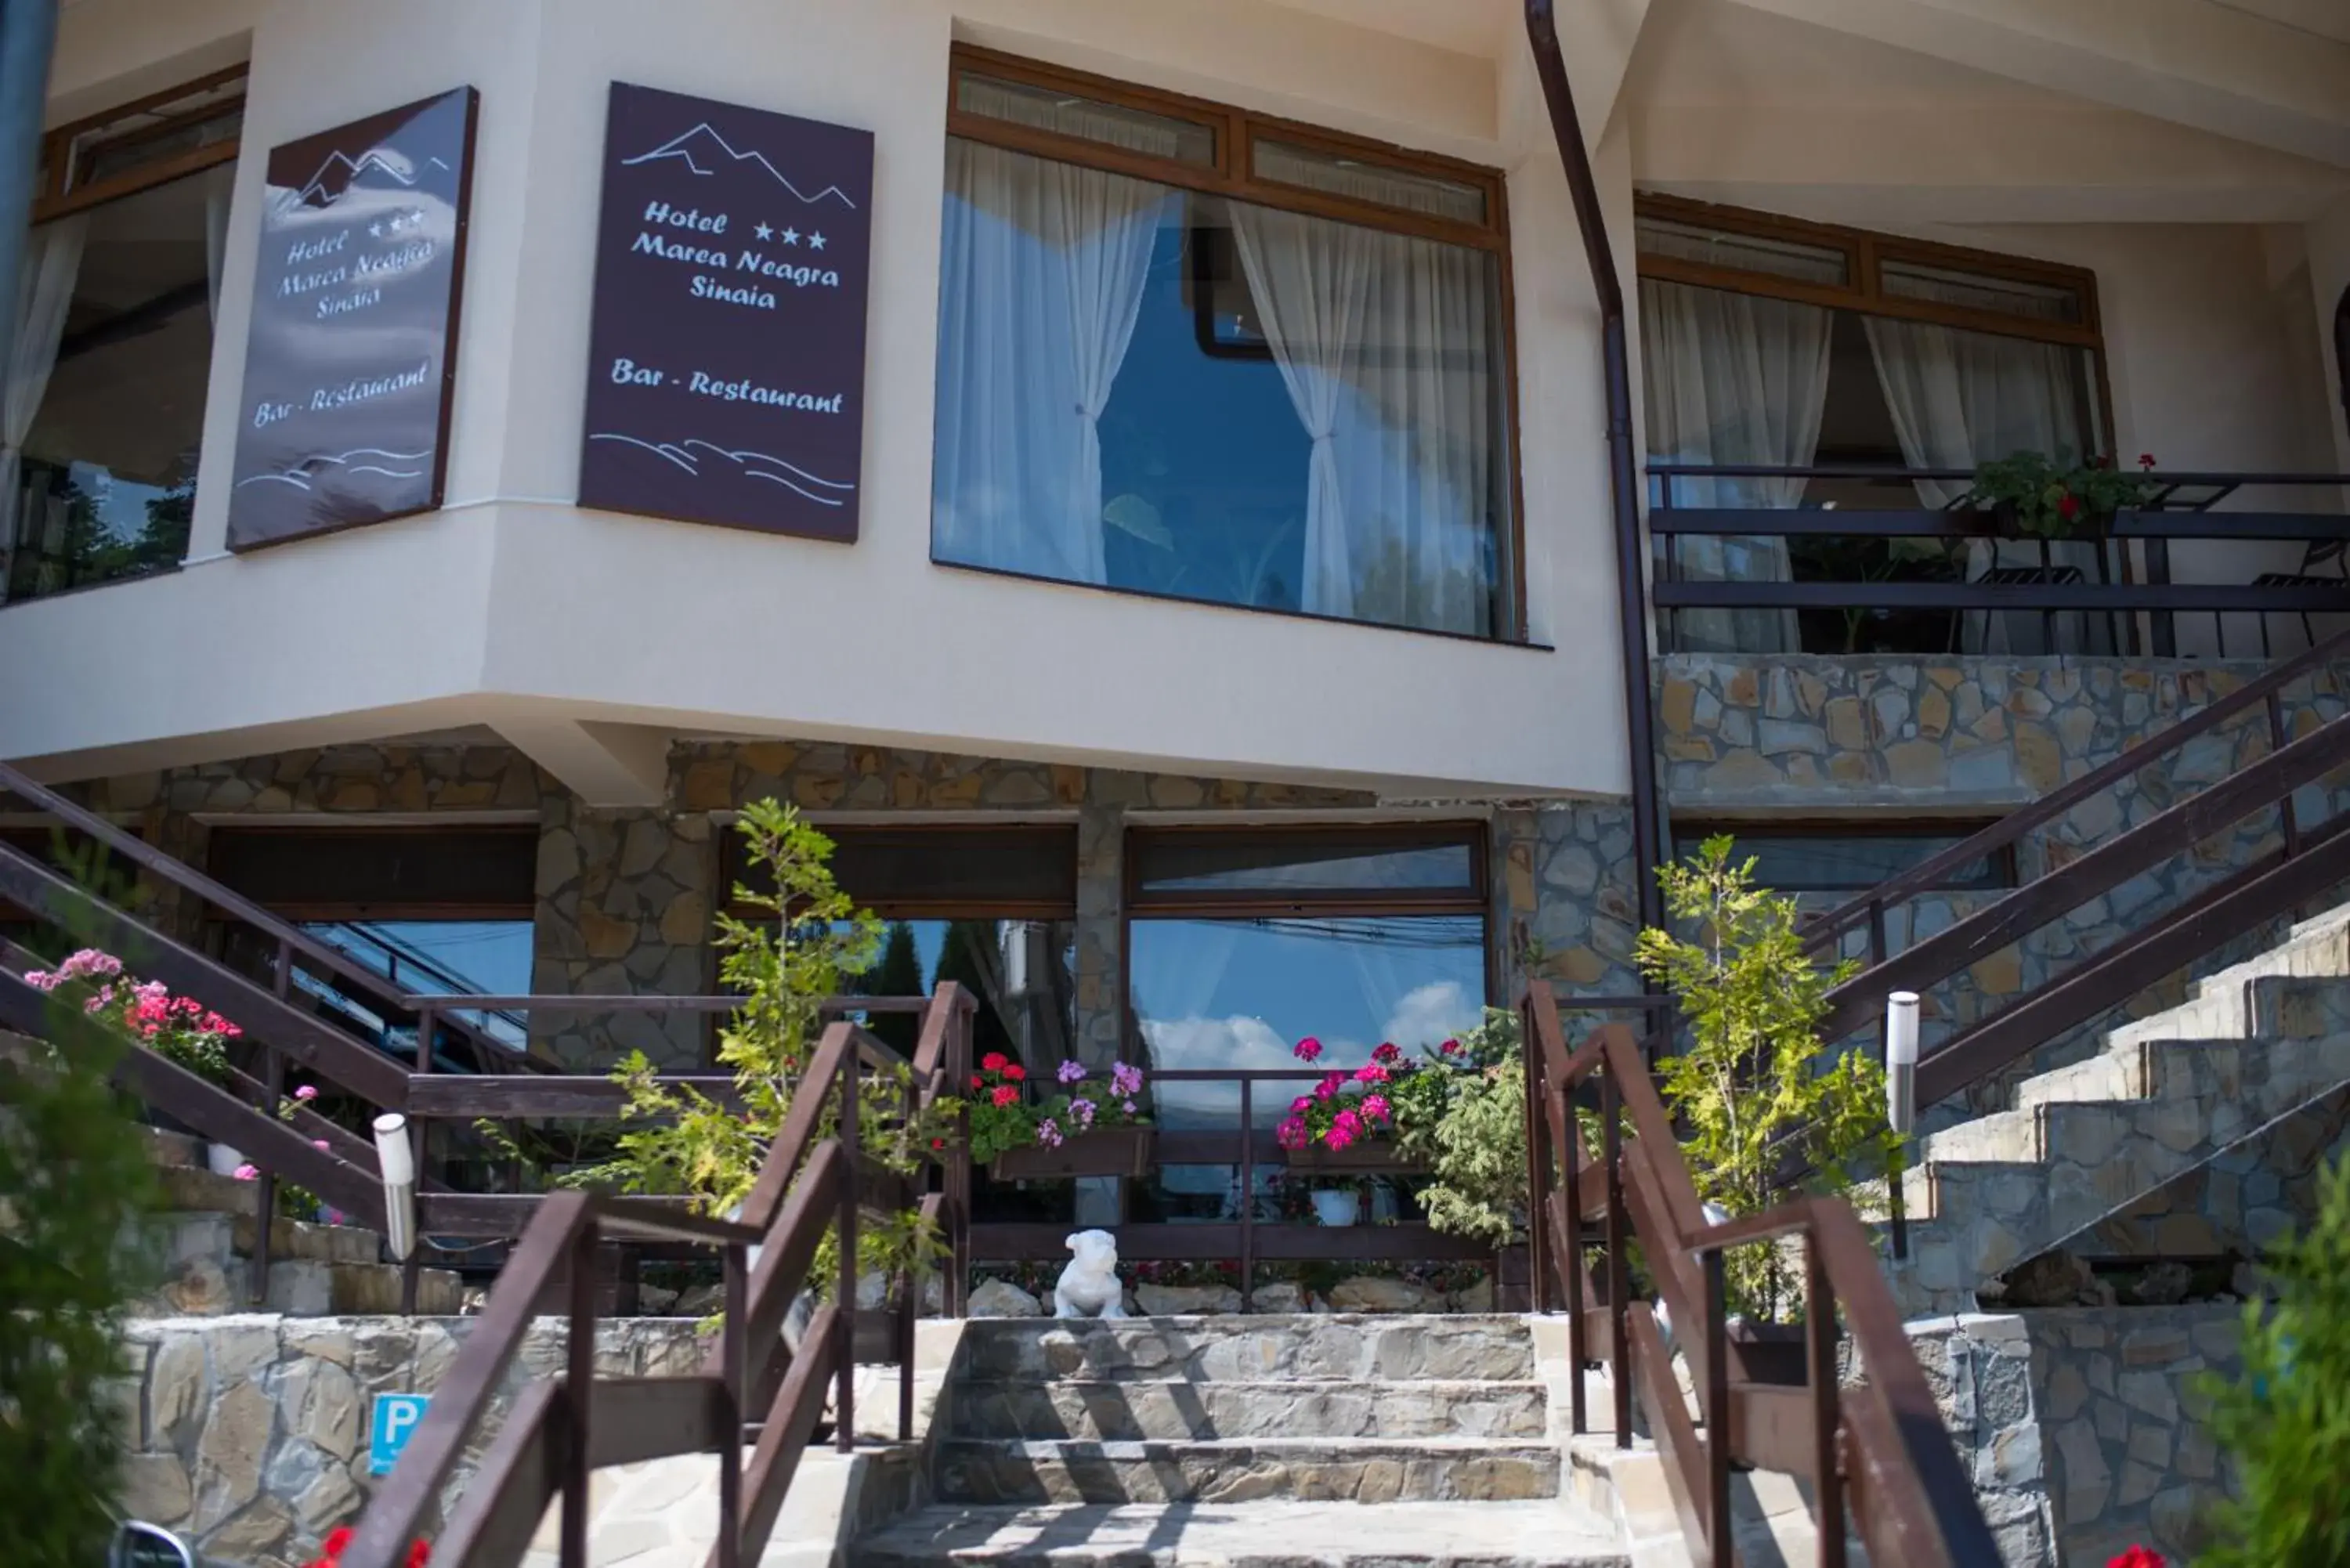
(726, 358)
(348, 361)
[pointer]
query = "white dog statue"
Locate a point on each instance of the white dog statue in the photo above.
(1088, 1286)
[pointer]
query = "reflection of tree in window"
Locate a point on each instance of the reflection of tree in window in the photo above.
(897, 973)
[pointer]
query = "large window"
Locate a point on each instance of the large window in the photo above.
(1825, 864)
(1187, 352)
(1775, 344)
(434, 911)
(104, 397)
(1242, 945)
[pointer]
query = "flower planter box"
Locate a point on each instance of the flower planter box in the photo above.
(1365, 1157)
(1105, 1151)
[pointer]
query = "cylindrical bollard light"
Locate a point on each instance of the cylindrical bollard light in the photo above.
(398, 1163)
(1902, 1061)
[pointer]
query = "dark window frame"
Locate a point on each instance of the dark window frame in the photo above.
(522, 905)
(1236, 132)
(918, 907)
(1472, 898)
(64, 192)
(2002, 860)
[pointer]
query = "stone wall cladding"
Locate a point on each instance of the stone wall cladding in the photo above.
(1565, 903)
(1981, 1369)
(624, 902)
(2122, 1415)
(1812, 736)
(249, 1434)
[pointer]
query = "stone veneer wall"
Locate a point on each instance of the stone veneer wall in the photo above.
(248, 1435)
(1980, 1367)
(1747, 737)
(2121, 1415)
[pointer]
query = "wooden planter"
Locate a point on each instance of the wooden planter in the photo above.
(1365, 1157)
(1104, 1151)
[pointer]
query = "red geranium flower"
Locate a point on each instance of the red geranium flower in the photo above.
(2144, 459)
(977, 1082)
(1389, 1051)
(2136, 1557)
(1015, 1072)
(2067, 506)
(1005, 1093)
(994, 1060)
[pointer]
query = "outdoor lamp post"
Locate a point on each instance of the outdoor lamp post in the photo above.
(1902, 1061)
(398, 1163)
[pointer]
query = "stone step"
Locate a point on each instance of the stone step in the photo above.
(1247, 1469)
(1130, 1410)
(1339, 1347)
(2315, 949)
(1546, 1534)
(2268, 1006)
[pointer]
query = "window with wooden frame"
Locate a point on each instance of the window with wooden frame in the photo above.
(1241, 943)
(991, 906)
(120, 289)
(1196, 352)
(1774, 343)
(1823, 863)
(435, 911)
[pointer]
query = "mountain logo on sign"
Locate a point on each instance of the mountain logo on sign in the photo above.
(703, 137)
(340, 172)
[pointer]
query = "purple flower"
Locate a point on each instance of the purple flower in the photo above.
(1070, 1072)
(1084, 1111)
(1048, 1133)
(42, 979)
(1129, 1109)
(1125, 1081)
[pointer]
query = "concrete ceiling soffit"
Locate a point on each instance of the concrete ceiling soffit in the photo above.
(603, 765)
(2217, 67)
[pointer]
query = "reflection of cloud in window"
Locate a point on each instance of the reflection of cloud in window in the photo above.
(1431, 1014)
(1201, 1045)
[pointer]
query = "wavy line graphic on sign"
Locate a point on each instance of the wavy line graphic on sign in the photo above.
(300, 475)
(681, 147)
(750, 464)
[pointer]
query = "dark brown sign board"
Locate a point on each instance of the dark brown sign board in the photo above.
(350, 359)
(727, 362)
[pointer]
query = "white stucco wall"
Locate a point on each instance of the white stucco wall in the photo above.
(511, 599)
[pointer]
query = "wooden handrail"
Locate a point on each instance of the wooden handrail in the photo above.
(1880, 1452)
(289, 938)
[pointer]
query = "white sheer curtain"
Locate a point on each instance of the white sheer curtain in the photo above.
(1384, 343)
(1733, 378)
(1961, 398)
(52, 262)
(1044, 266)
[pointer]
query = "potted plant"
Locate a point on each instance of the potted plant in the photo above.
(1749, 1085)
(1080, 1130)
(2029, 493)
(1335, 1202)
(1346, 1122)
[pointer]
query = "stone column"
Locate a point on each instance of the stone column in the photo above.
(1101, 973)
(624, 907)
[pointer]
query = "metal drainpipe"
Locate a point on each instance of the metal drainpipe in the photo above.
(1623, 473)
(28, 34)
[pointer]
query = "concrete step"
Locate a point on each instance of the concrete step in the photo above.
(2315, 950)
(1336, 1347)
(1129, 1410)
(1247, 1469)
(2265, 1006)
(1546, 1534)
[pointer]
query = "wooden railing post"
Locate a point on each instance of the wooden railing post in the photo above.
(578, 1399)
(1820, 1335)
(732, 1346)
(1619, 1272)
(1716, 1330)
(845, 1321)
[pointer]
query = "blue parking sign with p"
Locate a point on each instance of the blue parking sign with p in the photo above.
(396, 1420)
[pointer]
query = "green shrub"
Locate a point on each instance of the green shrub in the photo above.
(2285, 1423)
(1751, 1090)
(74, 1182)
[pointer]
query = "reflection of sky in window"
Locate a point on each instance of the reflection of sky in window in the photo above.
(441, 958)
(119, 505)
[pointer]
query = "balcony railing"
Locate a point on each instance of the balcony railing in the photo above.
(1876, 570)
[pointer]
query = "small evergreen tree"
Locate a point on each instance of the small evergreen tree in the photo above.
(898, 972)
(1751, 1090)
(2285, 1423)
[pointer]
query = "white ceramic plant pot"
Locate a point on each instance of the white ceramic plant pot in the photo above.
(223, 1160)
(1334, 1206)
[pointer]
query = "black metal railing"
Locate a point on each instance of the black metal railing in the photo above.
(1863, 572)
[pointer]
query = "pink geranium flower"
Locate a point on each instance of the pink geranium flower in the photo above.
(246, 1172)
(1307, 1049)
(307, 1092)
